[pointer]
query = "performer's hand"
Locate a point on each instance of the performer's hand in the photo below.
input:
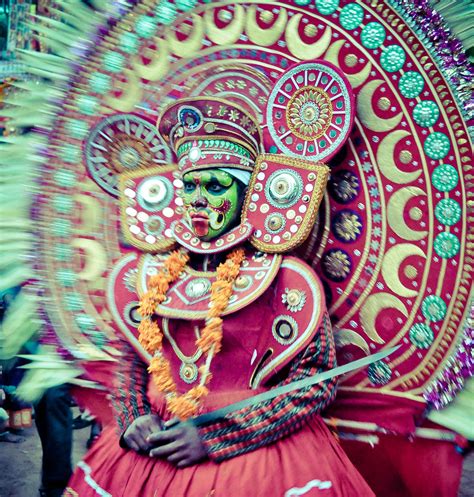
(180, 445)
(135, 437)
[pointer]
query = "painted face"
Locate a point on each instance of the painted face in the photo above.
(213, 200)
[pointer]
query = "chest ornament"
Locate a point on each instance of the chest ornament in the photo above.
(294, 299)
(208, 342)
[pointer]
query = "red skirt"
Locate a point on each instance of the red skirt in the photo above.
(310, 462)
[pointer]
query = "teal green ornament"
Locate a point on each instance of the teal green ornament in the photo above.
(186, 5)
(146, 27)
(70, 153)
(327, 7)
(421, 335)
(411, 84)
(426, 113)
(63, 252)
(448, 211)
(373, 35)
(113, 62)
(73, 301)
(437, 145)
(393, 58)
(76, 128)
(100, 83)
(434, 308)
(87, 105)
(62, 228)
(65, 178)
(66, 277)
(351, 16)
(166, 12)
(447, 245)
(63, 204)
(379, 373)
(445, 178)
(129, 42)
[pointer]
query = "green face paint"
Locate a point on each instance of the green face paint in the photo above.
(213, 200)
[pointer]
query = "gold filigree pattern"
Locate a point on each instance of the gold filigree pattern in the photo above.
(309, 113)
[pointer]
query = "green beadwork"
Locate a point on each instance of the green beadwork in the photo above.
(61, 228)
(421, 335)
(327, 7)
(87, 105)
(100, 83)
(373, 35)
(73, 301)
(129, 42)
(70, 153)
(437, 145)
(379, 373)
(65, 178)
(426, 113)
(186, 5)
(393, 58)
(66, 278)
(445, 178)
(63, 203)
(448, 211)
(76, 128)
(434, 308)
(351, 16)
(411, 84)
(166, 12)
(113, 61)
(145, 27)
(63, 252)
(85, 322)
(447, 245)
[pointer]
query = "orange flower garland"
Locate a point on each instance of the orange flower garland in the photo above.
(151, 337)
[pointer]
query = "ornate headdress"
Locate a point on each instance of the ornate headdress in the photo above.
(308, 116)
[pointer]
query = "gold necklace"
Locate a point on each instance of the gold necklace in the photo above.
(188, 370)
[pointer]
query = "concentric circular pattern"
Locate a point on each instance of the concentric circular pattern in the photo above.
(401, 174)
(123, 142)
(310, 111)
(284, 188)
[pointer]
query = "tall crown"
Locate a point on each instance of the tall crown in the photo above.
(211, 132)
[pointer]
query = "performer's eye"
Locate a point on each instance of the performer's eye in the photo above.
(189, 187)
(215, 187)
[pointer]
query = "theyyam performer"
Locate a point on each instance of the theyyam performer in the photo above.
(181, 150)
(226, 315)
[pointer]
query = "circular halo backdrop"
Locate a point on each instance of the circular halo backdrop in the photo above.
(392, 243)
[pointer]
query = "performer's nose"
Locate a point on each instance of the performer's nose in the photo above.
(200, 201)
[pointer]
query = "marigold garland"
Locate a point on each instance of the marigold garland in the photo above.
(151, 337)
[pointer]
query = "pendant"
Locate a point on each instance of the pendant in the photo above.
(188, 372)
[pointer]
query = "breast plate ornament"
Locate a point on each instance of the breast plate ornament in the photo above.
(391, 242)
